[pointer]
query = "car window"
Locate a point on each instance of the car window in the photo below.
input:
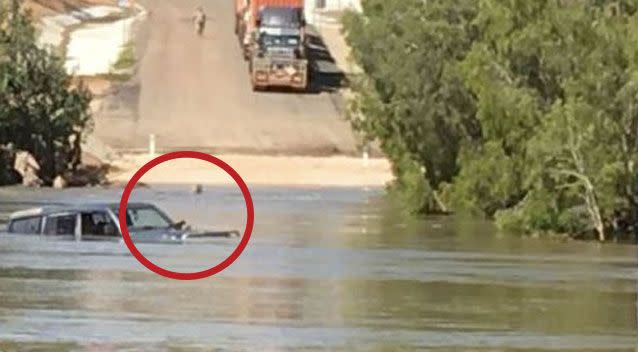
(95, 223)
(27, 226)
(138, 217)
(146, 217)
(60, 225)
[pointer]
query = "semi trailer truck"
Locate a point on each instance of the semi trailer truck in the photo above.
(272, 38)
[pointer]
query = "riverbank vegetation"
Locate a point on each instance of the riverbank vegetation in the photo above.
(522, 111)
(41, 110)
(126, 59)
(122, 69)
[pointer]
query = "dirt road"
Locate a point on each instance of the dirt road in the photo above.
(195, 93)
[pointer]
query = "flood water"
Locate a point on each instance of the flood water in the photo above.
(326, 270)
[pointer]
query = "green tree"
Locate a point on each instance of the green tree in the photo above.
(567, 63)
(412, 97)
(519, 110)
(41, 111)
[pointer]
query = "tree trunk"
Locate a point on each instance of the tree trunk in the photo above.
(76, 157)
(439, 202)
(594, 211)
(591, 200)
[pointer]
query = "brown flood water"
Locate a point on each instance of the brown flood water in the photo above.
(326, 270)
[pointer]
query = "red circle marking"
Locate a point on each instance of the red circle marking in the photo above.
(200, 274)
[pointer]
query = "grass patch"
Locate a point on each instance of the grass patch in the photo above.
(126, 59)
(118, 77)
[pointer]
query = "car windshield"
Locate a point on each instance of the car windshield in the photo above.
(146, 217)
(279, 40)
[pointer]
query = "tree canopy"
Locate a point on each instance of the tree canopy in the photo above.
(41, 111)
(518, 110)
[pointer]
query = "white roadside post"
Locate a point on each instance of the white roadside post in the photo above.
(75, 67)
(151, 145)
(366, 155)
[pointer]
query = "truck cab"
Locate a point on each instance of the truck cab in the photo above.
(278, 55)
(281, 17)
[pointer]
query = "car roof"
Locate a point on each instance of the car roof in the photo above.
(72, 208)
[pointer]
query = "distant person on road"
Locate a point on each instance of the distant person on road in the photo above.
(199, 19)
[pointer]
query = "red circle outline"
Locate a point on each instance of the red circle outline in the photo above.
(200, 274)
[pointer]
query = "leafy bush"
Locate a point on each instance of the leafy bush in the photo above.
(126, 59)
(40, 110)
(520, 110)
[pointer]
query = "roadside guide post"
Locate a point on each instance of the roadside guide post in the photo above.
(151, 145)
(75, 68)
(366, 154)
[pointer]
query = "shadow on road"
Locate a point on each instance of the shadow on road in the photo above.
(325, 75)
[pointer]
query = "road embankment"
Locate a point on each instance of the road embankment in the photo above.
(339, 171)
(91, 38)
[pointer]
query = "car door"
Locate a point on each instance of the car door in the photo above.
(61, 226)
(98, 226)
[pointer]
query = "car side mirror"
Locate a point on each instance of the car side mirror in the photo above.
(179, 225)
(109, 230)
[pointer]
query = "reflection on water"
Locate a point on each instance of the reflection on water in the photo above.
(326, 270)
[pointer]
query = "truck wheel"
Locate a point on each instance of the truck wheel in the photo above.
(258, 88)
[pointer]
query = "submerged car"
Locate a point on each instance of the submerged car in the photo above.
(99, 222)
